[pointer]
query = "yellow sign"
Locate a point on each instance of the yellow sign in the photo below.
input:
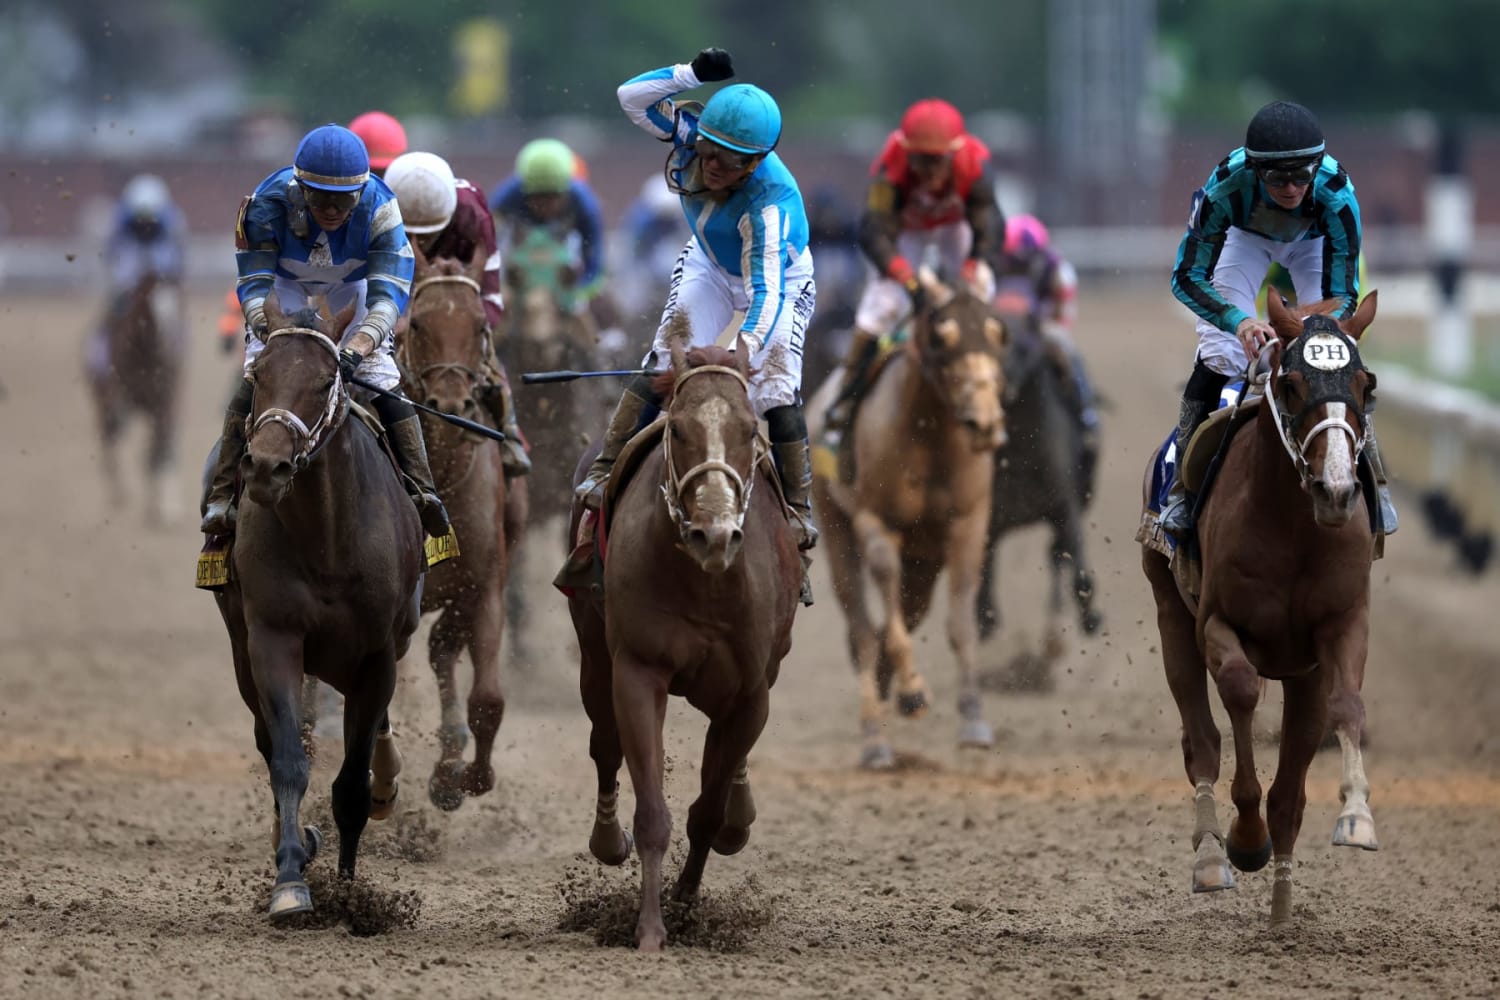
(213, 567)
(481, 55)
(441, 549)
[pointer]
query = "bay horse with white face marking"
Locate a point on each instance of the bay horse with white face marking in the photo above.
(701, 582)
(324, 579)
(924, 441)
(1286, 546)
(442, 355)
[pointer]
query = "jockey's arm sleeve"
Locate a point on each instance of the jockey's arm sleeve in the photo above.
(590, 222)
(489, 280)
(880, 223)
(1208, 224)
(1341, 243)
(255, 256)
(388, 280)
(506, 199)
(986, 220)
(647, 99)
(762, 253)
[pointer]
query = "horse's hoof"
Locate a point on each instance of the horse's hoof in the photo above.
(731, 840)
(1212, 876)
(1355, 830)
(1249, 861)
(612, 854)
(443, 788)
(289, 899)
(1090, 621)
(478, 779)
(877, 757)
(976, 734)
(312, 842)
(381, 806)
(913, 705)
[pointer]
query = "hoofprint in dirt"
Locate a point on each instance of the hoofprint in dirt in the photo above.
(133, 838)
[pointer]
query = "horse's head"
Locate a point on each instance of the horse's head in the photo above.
(1319, 392)
(444, 350)
(540, 278)
(959, 341)
(708, 448)
(299, 398)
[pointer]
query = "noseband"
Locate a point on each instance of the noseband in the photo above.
(1286, 425)
(307, 439)
(419, 377)
(672, 489)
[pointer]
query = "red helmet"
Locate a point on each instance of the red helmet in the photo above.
(932, 126)
(383, 136)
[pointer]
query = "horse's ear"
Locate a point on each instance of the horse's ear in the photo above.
(342, 320)
(1283, 320)
(275, 318)
(1356, 325)
(995, 331)
(742, 355)
(938, 293)
(418, 256)
(679, 335)
(477, 264)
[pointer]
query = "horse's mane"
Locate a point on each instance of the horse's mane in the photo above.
(665, 384)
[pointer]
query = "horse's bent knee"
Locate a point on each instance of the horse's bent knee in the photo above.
(1239, 685)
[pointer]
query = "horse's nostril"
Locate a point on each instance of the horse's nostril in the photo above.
(697, 536)
(430, 402)
(736, 537)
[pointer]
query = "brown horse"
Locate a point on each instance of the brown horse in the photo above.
(701, 581)
(1285, 544)
(324, 580)
(442, 356)
(141, 376)
(924, 441)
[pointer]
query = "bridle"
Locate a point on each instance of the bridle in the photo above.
(1296, 448)
(672, 489)
(307, 440)
(419, 377)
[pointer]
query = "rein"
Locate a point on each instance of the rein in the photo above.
(1296, 450)
(674, 485)
(308, 439)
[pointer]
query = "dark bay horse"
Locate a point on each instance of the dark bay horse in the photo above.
(324, 580)
(1039, 478)
(701, 583)
(924, 441)
(1286, 545)
(442, 356)
(142, 376)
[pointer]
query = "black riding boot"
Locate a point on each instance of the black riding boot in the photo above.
(219, 512)
(623, 424)
(1199, 399)
(404, 430)
(793, 457)
(863, 348)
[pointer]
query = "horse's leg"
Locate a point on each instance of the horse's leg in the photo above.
(1249, 845)
(1342, 651)
(846, 566)
(1304, 719)
(277, 664)
(640, 695)
(1067, 554)
(965, 552)
(725, 750)
(986, 608)
(1188, 680)
(515, 603)
(878, 550)
(445, 787)
(486, 699)
(608, 842)
(385, 767)
(364, 716)
(164, 505)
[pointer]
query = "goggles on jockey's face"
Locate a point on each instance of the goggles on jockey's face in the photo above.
(329, 201)
(1282, 174)
(926, 163)
(729, 159)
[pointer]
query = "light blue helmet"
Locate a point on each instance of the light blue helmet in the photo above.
(742, 117)
(331, 158)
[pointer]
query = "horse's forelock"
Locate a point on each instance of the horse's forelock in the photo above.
(665, 384)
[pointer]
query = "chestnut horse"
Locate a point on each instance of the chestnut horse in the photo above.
(442, 356)
(701, 582)
(324, 580)
(1285, 543)
(141, 375)
(924, 441)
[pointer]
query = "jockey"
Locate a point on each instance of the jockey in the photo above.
(1034, 279)
(446, 216)
(747, 252)
(546, 192)
(324, 226)
(148, 236)
(1279, 198)
(931, 190)
(384, 138)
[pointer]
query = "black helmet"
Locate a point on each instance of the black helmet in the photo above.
(1283, 131)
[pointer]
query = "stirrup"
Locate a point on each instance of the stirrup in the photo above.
(1176, 518)
(590, 492)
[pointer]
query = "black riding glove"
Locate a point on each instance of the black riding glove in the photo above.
(712, 65)
(349, 362)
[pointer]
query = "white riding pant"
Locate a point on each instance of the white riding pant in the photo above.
(379, 367)
(885, 302)
(710, 296)
(1238, 275)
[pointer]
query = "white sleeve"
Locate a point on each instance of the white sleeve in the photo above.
(647, 99)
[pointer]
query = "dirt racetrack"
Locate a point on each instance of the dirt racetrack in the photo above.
(133, 828)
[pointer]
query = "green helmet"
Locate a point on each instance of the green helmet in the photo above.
(545, 166)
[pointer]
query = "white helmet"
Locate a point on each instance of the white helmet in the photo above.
(146, 197)
(425, 190)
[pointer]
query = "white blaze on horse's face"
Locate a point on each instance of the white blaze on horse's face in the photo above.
(1324, 438)
(714, 526)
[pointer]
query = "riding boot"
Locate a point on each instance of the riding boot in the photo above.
(792, 455)
(623, 424)
(863, 348)
(219, 512)
(502, 406)
(1177, 516)
(1388, 519)
(404, 430)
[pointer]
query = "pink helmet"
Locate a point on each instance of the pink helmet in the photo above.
(1025, 233)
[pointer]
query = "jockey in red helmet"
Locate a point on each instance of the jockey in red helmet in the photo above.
(384, 137)
(931, 190)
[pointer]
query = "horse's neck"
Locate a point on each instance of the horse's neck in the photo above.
(925, 416)
(1272, 471)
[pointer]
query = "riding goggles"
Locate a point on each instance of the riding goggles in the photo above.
(927, 162)
(320, 200)
(1282, 174)
(729, 159)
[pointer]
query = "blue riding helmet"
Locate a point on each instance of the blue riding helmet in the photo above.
(331, 158)
(743, 118)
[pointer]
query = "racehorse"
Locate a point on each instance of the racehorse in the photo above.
(543, 332)
(324, 579)
(442, 356)
(141, 376)
(701, 582)
(923, 441)
(1039, 477)
(1285, 543)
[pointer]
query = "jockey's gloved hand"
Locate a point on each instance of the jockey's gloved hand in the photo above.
(255, 319)
(918, 296)
(712, 65)
(349, 362)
